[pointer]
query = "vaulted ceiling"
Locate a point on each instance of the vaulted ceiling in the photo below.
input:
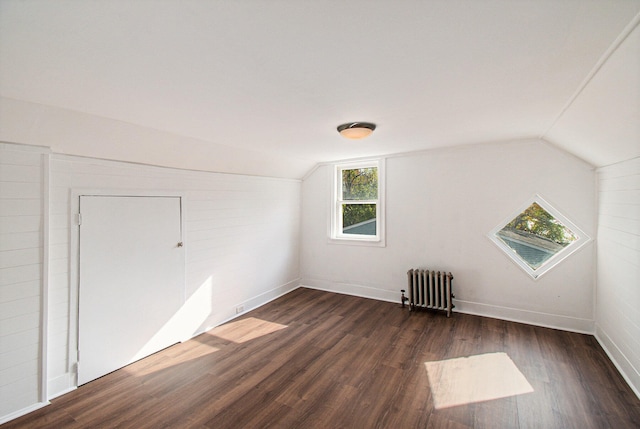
(259, 87)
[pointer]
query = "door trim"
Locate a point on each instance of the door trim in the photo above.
(74, 258)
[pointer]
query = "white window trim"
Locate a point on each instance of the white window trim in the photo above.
(335, 227)
(582, 239)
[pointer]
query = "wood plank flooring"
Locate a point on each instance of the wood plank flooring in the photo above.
(313, 359)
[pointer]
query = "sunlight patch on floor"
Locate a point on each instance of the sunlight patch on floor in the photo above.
(168, 358)
(246, 329)
(475, 378)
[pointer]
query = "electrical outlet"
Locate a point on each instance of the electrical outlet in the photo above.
(239, 309)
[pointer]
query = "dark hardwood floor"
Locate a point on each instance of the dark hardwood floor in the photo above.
(314, 359)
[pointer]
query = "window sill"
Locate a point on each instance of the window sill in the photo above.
(357, 242)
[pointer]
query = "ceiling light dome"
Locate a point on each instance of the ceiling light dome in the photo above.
(356, 130)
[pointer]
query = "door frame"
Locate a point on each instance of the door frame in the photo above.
(74, 258)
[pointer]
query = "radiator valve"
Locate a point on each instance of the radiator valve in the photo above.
(403, 298)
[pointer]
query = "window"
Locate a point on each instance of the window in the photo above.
(537, 237)
(358, 204)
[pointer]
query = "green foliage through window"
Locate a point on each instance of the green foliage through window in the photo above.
(360, 184)
(537, 221)
(537, 237)
(357, 214)
(358, 201)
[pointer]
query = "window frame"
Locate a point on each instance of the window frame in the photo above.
(336, 234)
(582, 239)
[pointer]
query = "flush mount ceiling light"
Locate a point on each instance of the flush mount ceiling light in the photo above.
(356, 130)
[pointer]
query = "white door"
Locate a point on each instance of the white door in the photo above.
(131, 280)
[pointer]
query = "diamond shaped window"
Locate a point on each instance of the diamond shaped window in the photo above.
(537, 237)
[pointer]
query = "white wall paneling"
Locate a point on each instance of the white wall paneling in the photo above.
(440, 206)
(618, 268)
(23, 273)
(241, 237)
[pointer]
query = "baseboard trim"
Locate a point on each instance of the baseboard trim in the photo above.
(270, 295)
(619, 360)
(252, 304)
(353, 290)
(546, 320)
(22, 412)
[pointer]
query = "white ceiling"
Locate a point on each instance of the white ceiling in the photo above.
(206, 83)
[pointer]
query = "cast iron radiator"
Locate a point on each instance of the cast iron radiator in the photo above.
(430, 289)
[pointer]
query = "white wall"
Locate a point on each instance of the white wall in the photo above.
(241, 241)
(440, 205)
(22, 189)
(618, 285)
